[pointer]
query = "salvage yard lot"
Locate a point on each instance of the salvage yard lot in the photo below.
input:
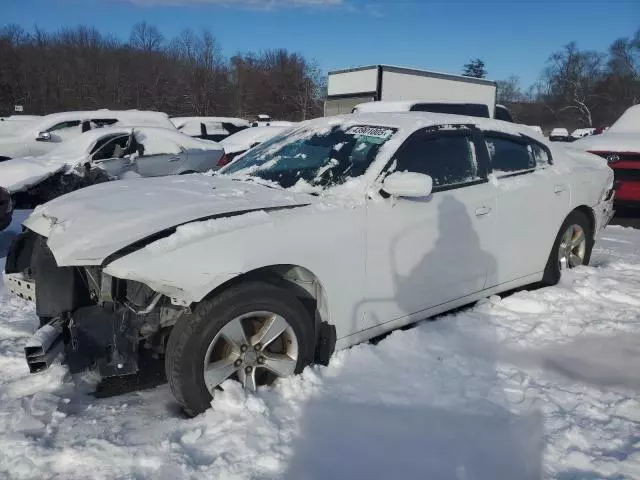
(540, 383)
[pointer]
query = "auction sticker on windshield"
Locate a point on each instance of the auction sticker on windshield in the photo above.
(373, 134)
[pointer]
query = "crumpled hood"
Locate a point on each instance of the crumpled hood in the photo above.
(90, 224)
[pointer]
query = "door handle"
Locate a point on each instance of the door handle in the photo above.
(174, 159)
(482, 211)
(559, 189)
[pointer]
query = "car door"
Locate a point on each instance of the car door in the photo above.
(158, 156)
(110, 154)
(425, 252)
(532, 201)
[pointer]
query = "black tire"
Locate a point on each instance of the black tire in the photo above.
(192, 335)
(552, 270)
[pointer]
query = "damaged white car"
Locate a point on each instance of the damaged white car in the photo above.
(105, 154)
(41, 135)
(325, 236)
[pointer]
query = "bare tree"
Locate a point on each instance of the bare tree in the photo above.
(572, 77)
(509, 90)
(146, 37)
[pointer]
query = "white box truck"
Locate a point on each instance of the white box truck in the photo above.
(409, 89)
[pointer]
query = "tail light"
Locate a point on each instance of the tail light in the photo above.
(223, 160)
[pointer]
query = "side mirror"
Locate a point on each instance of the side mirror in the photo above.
(43, 137)
(408, 184)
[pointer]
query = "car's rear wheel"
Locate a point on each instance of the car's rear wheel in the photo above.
(253, 333)
(571, 249)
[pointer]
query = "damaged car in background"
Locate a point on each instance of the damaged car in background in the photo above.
(105, 154)
(327, 235)
(40, 135)
(210, 128)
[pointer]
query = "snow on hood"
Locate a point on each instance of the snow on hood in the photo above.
(610, 142)
(86, 226)
(20, 173)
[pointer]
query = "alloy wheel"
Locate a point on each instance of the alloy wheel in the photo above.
(254, 348)
(573, 247)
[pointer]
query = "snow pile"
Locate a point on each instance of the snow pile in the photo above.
(540, 384)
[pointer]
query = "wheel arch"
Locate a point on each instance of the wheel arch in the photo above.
(297, 280)
(588, 212)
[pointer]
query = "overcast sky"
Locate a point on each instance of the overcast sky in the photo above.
(512, 37)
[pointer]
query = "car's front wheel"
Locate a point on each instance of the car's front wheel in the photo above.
(252, 332)
(572, 247)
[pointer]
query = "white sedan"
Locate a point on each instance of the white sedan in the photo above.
(104, 154)
(238, 143)
(328, 235)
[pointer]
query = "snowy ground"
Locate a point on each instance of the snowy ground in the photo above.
(538, 384)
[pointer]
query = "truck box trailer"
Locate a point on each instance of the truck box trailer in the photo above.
(351, 87)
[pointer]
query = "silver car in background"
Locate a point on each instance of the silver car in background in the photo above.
(104, 154)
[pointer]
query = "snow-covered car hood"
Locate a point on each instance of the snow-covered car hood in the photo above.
(23, 172)
(610, 142)
(20, 173)
(88, 225)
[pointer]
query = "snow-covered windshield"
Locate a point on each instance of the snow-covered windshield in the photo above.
(318, 157)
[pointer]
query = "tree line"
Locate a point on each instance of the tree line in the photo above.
(577, 88)
(81, 68)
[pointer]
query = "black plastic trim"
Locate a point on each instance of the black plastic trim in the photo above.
(353, 95)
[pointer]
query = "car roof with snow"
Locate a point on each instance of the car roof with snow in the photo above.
(411, 121)
(244, 139)
(123, 117)
(181, 121)
(82, 143)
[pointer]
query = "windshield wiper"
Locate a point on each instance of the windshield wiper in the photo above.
(253, 180)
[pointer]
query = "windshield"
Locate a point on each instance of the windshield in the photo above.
(321, 158)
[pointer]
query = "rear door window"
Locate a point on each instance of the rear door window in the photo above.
(510, 155)
(103, 122)
(64, 125)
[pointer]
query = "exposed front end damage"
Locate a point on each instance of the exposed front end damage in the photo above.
(97, 320)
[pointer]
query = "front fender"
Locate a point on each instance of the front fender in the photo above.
(190, 264)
